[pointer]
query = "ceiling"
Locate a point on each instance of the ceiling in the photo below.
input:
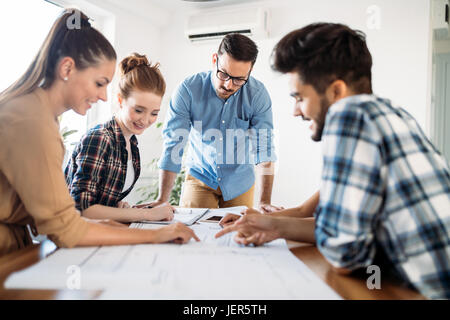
(176, 5)
(160, 11)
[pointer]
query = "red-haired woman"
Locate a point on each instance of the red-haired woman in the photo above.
(105, 164)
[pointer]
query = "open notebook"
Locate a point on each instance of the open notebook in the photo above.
(188, 216)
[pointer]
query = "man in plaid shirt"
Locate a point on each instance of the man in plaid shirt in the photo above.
(385, 191)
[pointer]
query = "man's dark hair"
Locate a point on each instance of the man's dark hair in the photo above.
(239, 47)
(324, 52)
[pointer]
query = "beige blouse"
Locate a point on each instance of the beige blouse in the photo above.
(33, 190)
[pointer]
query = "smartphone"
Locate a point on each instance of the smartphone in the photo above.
(213, 219)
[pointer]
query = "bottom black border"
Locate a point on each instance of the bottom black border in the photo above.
(201, 309)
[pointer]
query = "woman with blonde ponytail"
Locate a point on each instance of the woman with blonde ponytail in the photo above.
(105, 164)
(70, 72)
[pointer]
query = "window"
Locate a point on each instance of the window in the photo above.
(24, 24)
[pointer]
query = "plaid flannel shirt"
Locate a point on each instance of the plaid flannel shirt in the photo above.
(385, 189)
(97, 169)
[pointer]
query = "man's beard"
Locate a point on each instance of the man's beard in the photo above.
(225, 92)
(320, 121)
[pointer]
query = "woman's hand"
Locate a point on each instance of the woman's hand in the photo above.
(153, 204)
(176, 233)
(161, 213)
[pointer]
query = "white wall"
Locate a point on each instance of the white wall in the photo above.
(400, 50)
(131, 33)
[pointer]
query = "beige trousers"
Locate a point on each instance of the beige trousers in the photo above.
(197, 194)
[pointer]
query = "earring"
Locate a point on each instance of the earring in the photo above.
(66, 78)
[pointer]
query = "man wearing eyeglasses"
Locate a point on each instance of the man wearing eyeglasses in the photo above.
(227, 117)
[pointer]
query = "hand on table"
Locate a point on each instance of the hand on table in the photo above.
(252, 229)
(230, 218)
(153, 204)
(176, 233)
(161, 213)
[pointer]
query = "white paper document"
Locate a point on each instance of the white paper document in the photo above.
(184, 215)
(209, 269)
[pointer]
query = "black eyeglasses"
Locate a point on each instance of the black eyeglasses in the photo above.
(237, 81)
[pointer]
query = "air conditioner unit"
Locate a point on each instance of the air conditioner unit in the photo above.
(214, 25)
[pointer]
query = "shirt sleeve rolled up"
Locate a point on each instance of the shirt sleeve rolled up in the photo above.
(176, 130)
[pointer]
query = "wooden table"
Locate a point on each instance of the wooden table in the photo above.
(348, 287)
(353, 287)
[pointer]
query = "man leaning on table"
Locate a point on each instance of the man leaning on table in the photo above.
(226, 115)
(385, 192)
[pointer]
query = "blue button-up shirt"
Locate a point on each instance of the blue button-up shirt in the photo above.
(226, 137)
